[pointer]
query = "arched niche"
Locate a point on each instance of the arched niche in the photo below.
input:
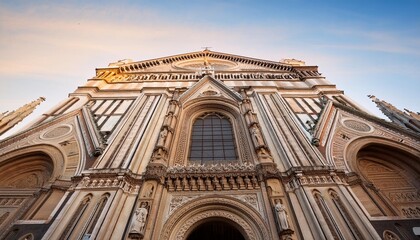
(400, 152)
(236, 213)
(37, 165)
(33, 170)
(389, 174)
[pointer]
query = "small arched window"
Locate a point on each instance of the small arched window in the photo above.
(212, 139)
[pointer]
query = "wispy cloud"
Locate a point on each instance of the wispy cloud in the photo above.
(405, 42)
(64, 42)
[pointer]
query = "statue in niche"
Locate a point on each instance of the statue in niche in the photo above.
(281, 216)
(162, 137)
(149, 191)
(256, 136)
(138, 222)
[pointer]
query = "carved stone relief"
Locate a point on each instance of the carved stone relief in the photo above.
(57, 132)
(356, 125)
(177, 201)
(389, 235)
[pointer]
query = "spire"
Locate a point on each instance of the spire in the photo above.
(10, 119)
(406, 119)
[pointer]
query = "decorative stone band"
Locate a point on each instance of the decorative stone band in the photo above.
(11, 201)
(312, 176)
(211, 168)
(411, 212)
(112, 77)
(212, 182)
(214, 177)
(99, 180)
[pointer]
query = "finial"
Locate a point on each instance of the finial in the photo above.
(373, 98)
(206, 49)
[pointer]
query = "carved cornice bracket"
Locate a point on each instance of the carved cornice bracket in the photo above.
(108, 179)
(267, 170)
(155, 171)
(313, 176)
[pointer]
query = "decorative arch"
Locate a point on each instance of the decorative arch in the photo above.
(354, 147)
(28, 171)
(198, 107)
(41, 163)
(389, 172)
(246, 219)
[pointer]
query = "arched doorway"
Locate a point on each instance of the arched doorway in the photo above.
(209, 212)
(215, 229)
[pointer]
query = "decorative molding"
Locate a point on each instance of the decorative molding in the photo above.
(57, 132)
(193, 76)
(214, 177)
(357, 126)
(177, 201)
(140, 66)
(11, 201)
(182, 219)
(411, 212)
(98, 179)
(216, 213)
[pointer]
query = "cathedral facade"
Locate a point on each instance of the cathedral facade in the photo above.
(209, 145)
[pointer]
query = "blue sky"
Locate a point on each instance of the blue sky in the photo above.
(48, 48)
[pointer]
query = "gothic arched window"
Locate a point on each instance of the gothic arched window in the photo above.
(212, 139)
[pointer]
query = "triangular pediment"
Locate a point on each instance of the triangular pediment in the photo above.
(195, 61)
(209, 87)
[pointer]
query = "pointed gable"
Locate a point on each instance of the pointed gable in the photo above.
(209, 87)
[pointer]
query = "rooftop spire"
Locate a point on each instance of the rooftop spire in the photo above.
(10, 119)
(406, 119)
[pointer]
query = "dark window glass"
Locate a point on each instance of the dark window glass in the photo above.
(212, 139)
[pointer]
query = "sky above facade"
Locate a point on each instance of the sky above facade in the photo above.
(364, 47)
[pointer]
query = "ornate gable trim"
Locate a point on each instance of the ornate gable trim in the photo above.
(142, 65)
(220, 88)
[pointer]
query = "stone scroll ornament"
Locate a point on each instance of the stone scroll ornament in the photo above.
(138, 222)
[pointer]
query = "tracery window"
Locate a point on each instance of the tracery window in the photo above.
(212, 139)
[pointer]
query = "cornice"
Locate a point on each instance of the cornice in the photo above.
(142, 65)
